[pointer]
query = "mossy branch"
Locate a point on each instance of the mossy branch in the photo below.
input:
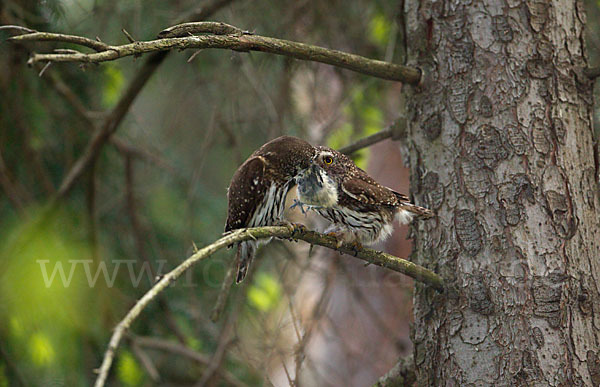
(375, 257)
(217, 35)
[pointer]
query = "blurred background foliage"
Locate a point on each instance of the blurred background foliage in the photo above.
(132, 217)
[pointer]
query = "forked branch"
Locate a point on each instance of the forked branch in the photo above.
(217, 35)
(375, 257)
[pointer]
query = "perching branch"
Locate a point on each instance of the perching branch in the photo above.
(369, 255)
(219, 35)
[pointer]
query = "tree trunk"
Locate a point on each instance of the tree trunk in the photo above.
(501, 147)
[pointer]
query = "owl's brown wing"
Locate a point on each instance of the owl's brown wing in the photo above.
(402, 198)
(368, 191)
(245, 193)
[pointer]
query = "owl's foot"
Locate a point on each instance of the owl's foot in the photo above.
(339, 238)
(356, 246)
(295, 228)
(305, 211)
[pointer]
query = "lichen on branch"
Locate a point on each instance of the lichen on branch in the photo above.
(375, 257)
(203, 35)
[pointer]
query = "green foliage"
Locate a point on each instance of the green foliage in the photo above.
(41, 349)
(265, 293)
(364, 111)
(3, 376)
(45, 299)
(129, 371)
(203, 119)
(379, 29)
(167, 209)
(113, 85)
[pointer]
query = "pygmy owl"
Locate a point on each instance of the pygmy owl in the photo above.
(360, 209)
(258, 189)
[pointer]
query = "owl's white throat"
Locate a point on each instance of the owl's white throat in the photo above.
(316, 188)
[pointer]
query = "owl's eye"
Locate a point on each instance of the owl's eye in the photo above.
(328, 160)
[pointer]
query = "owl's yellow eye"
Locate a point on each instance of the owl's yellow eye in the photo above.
(328, 160)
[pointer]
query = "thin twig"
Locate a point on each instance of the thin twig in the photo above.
(179, 349)
(43, 70)
(146, 362)
(225, 339)
(186, 29)
(373, 256)
(234, 41)
(395, 131)
(128, 35)
(138, 236)
(54, 37)
(367, 141)
(117, 114)
(224, 292)
(122, 145)
(22, 29)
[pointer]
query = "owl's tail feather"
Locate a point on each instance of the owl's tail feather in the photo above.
(407, 211)
(244, 256)
(418, 211)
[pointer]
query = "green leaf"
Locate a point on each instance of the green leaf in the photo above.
(113, 85)
(41, 349)
(265, 293)
(128, 370)
(379, 30)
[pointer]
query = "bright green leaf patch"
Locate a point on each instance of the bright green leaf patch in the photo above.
(265, 293)
(113, 84)
(41, 349)
(128, 370)
(379, 29)
(363, 108)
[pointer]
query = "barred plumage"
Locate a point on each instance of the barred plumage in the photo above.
(257, 191)
(359, 208)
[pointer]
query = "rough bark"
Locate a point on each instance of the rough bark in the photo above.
(501, 146)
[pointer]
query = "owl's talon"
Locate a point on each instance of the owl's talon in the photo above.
(356, 246)
(298, 228)
(339, 238)
(295, 228)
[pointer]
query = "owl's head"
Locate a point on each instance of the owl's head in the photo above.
(334, 163)
(288, 155)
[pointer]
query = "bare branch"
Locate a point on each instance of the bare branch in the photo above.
(224, 293)
(367, 141)
(369, 255)
(103, 134)
(186, 29)
(122, 145)
(21, 29)
(53, 37)
(396, 131)
(235, 39)
(179, 349)
(117, 114)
